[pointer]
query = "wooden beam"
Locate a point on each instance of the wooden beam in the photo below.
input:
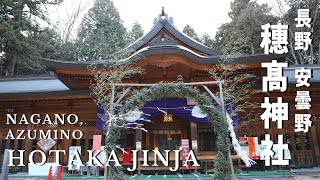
(211, 94)
(187, 84)
(123, 94)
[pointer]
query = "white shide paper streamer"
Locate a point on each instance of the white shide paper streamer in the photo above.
(196, 112)
(244, 156)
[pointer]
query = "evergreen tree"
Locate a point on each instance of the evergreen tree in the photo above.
(136, 32)
(101, 32)
(188, 30)
(42, 44)
(312, 55)
(243, 34)
(18, 34)
(206, 40)
(236, 7)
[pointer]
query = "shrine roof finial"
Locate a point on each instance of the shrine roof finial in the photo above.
(162, 11)
(163, 17)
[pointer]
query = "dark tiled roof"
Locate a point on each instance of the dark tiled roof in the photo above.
(164, 50)
(164, 23)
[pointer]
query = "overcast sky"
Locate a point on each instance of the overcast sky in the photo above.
(202, 15)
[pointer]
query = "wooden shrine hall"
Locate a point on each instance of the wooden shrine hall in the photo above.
(164, 53)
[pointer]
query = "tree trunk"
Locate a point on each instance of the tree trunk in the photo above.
(10, 63)
(252, 49)
(292, 49)
(319, 55)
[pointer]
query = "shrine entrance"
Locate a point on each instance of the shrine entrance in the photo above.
(167, 141)
(171, 120)
(133, 108)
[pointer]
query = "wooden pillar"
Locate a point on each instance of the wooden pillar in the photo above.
(5, 168)
(315, 141)
(138, 139)
(147, 141)
(154, 141)
(138, 147)
(28, 148)
(66, 142)
(194, 137)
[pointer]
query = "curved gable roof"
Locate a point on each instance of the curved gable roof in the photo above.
(162, 22)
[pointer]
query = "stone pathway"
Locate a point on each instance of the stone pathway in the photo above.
(300, 174)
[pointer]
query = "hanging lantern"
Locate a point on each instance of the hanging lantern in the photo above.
(167, 118)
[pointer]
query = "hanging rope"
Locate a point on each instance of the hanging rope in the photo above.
(244, 156)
